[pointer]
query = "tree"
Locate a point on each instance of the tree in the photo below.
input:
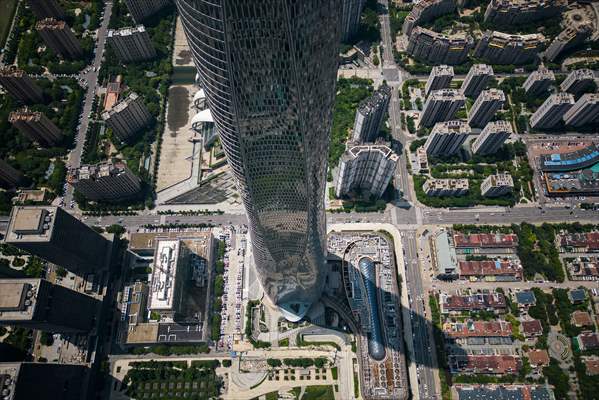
(116, 229)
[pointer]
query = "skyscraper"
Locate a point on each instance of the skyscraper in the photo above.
(269, 73)
(584, 111)
(446, 138)
(441, 105)
(127, 117)
(20, 85)
(492, 137)
(350, 18)
(439, 78)
(108, 181)
(141, 9)
(370, 115)
(551, 112)
(539, 81)
(477, 79)
(578, 81)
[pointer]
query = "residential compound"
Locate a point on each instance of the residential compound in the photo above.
(350, 21)
(584, 111)
(446, 187)
(58, 36)
(516, 12)
(127, 117)
(370, 115)
(578, 80)
(424, 11)
(19, 85)
(551, 112)
(477, 79)
(35, 126)
(441, 105)
(503, 48)
(106, 181)
(539, 81)
(497, 185)
(446, 138)
(484, 108)
(131, 44)
(492, 137)
(369, 168)
(439, 78)
(46, 9)
(141, 9)
(436, 48)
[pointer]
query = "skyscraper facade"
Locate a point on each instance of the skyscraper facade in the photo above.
(350, 18)
(484, 108)
(20, 85)
(269, 72)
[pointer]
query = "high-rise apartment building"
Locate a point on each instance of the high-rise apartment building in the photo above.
(350, 18)
(436, 48)
(131, 44)
(571, 36)
(539, 81)
(497, 185)
(19, 85)
(424, 11)
(551, 112)
(370, 115)
(272, 105)
(366, 167)
(504, 48)
(9, 177)
(446, 138)
(56, 236)
(484, 108)
(578, 80)
(584, 111)
(35, 126)
(441, 105)
(127, 117)
(38, 304)
(446, 187)
(58, 36)
(515, 12)
(141, 9)
(492, 137)
(46, 9)
(477, 79)
(106, 181)
(439, 78)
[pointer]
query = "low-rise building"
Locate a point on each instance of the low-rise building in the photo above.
(525, 299)
(457, 303)
(581, 318)
(443, 254)
(497, 185)
(485, 240)
(484, 364)
(503, 392)
(587, 341)
(577, 296)
(446, 187)
(490, 269)
(591, 365)
(587, 242)
(583, 268)
(106, 181)
(578, 81)
(539, 81)
(578, 159)
(470, 329)
(531, 328)
(504, 48)
(538, 358)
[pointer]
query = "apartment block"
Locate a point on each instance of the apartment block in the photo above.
(127, 117)
(539, 81)
(131, 44)
(59, 38)
(446, 138)
(570, 37)
(368, 167)
(46, 9)
(477, 79)
(552, 111)
(458, 303)
(350, 18)
(497, 185)
(584, 111)
(439, 78)
(441, 105)
(106, 181)
(141, 9)
(484, 364)
(484, 108)
(426, 10)
(9, 177)
(58, 237)
(446, 187)
(435, 48)
(515, 12)
(578, 80)
(370, 115)
(503, 48)
(492, 137)
(19, 85)
(35, 126)
(39, 304)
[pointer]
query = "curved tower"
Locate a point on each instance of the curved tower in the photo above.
(269, 70)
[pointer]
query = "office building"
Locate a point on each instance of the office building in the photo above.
(570, 37)
(59, 38)
(516, 12)
(274, 113)
(350, 18)
(141, 9)
(497, 185)
(370, 115)
(9, 177)
(539, 81)
(38, 304)
(441, 105)
(131, 44)
(578, 80)
(35, 126)
(584, 111)
(435, 48)
(106, 181)
(552, 111)
(446, 138)
(446, 187)
(56, 236)
(492, 137)
(504, 48)
(127, 117)
(19, 85)
(439, 78)
(43, 381)
(424, 11)
(368, 168)
(484, 108)
(46, 9)
(477, 79)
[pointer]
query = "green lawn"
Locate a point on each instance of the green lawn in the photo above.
(319, 393)
(7, 11)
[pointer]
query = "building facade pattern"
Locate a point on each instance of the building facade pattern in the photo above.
(492, 137)
(59, 37)
(19, 85)
(370, 115)
(107, 181)
(127, 117)
(436, 48)
(131, 44)
(503, 48)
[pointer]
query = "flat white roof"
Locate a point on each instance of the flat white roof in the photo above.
(162, 288)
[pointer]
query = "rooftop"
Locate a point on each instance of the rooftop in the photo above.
(532, 327)
(485, 240)
(31, 223)
(17, 298)
(164, 275)
(526, 297)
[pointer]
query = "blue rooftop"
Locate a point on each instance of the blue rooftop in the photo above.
(526, 297)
